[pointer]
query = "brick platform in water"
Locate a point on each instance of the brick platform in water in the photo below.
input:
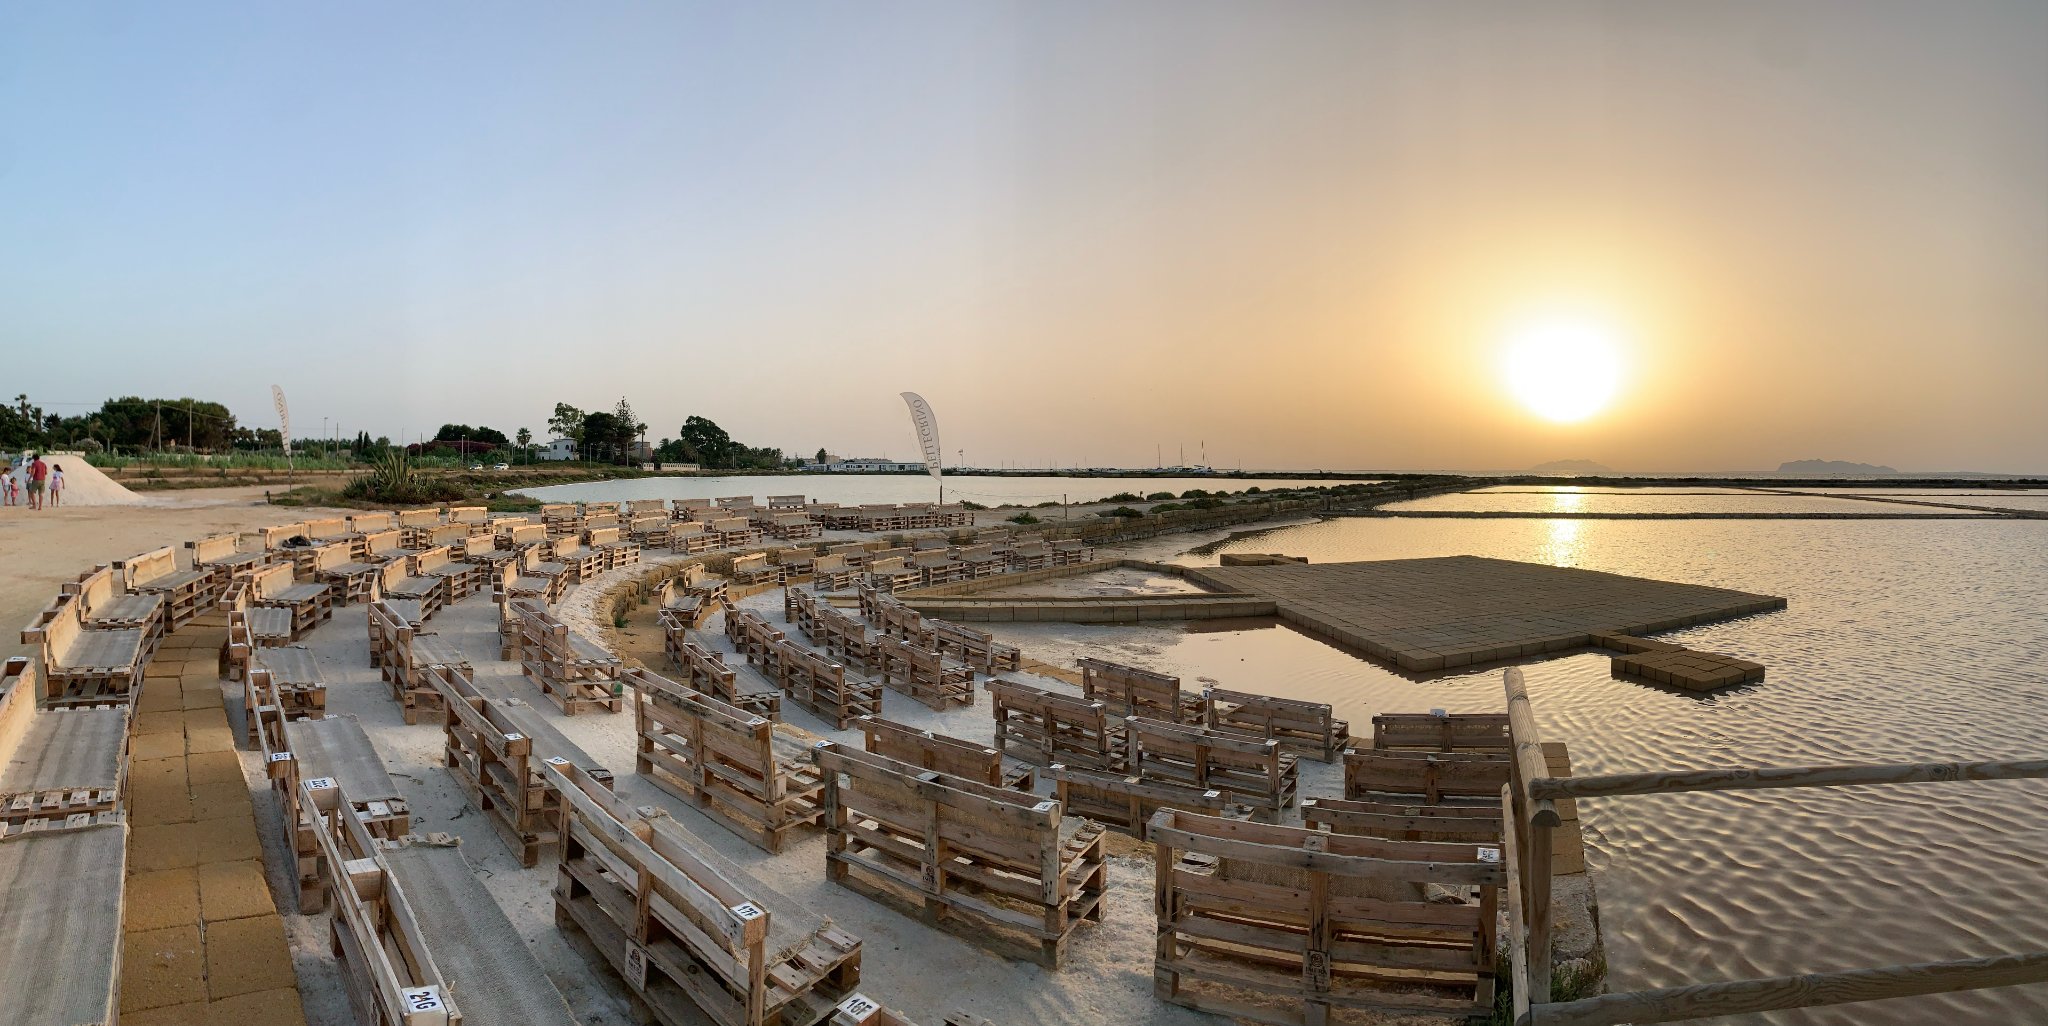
(1443, 613)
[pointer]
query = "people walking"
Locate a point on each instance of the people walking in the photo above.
(38, 474)
(56, 484)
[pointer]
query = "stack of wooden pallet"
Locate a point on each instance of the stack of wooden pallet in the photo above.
(699, 668)
(286, 680)
(950, 755)
(1047, 728)
(1289, 925)
(327, 755)
(1004, 868)
(1309, 728)
(925, 675)
(1253, 771)
(728, 762)
(1134, 691)
(824, 687)
(693, 935)
(81, 666)
(185, 592)
(575, 673)
(494, 750)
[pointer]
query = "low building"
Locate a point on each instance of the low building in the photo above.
(559, 449)
(866, 465)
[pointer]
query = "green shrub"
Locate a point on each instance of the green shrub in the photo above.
(1024, 518)
(1120, 511)
(975, 506)
(1253, 490)
(1123, 497)
(1157, 496)
(1195, 493)
(1046, 505)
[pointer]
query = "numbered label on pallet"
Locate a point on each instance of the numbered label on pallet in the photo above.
(320, 783)
(515, 737)
(423, 1006)
(1489, 854)
(858, 1009)
(1315, 971)
(280, 757)
(747, 910)
(557, 761)
(636, 966)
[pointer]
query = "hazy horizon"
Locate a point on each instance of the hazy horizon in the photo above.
(1299, 234)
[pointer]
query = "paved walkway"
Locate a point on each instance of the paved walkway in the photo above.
(1439, 614)
(202, 944)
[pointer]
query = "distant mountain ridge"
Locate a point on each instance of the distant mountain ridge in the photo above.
(1825, 467)
(1570, 467)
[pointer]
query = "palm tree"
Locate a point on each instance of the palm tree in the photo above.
(525, 438)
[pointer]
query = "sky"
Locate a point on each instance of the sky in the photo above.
(1286, 235)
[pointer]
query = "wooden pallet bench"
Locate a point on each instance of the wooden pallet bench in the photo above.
(893, 574)
(387, 547)
(1003, 868)
(1454, 732)
(832, 572)
(1254, 771)
(329, 755)
(311, 603)
(461, 577)
(734, 532)
(103, 605)
(185, 592)
(1126, 803)
(795, 526)
(221, 557)
(332, 531)
(353, 579)
(795, 563)
(650, 530)
(891, 617)
(286, 679)
(515, 583)
(413, 525)
(63, 879)
(417, 936)
(615, 550)
(691, 538)
(1307, 728)
(494, 749)
(699, 668)
(396, 584)
(252, 629)
(583, 562)
(950, 755)
(925, 675)
(823, 686)
(85, 667)
(1047, 728)
(692, 934)
(1288, 925)
(976, 648)
(752, 637)
(1394, 821)
(982, 561)
(728, 762)
(643, 507)
(575, 673)
(754, 568)
(1134, 691)
(1428, 778)
(800, 610)
(1072, 551)
(469, 515)
(847, 640)
(1025, 556)
(414, 656)
(60, 762)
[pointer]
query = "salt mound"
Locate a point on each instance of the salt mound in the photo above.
(84, 485)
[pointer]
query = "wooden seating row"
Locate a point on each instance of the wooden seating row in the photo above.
(692, 934)
(574, 672)
(494, 749)
(1001, 867)
(726, 761)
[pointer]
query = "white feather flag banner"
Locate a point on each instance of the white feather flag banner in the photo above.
(927, 427)
(284, 418)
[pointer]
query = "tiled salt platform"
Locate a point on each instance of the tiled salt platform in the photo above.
(1446, 612)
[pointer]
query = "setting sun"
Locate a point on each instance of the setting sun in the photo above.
(1562, 370)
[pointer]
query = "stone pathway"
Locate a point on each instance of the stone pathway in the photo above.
(202, 944)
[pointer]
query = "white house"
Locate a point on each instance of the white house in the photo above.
(559, 449)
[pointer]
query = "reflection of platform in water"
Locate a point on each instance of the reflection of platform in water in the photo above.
(1437, 614)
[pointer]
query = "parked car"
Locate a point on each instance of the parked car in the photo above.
(500, 466)
(476, 466)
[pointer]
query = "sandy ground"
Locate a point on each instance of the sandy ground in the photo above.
(41, 549)
(920, 970)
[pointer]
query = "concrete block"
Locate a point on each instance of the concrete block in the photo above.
(161, 967)
(247, 956)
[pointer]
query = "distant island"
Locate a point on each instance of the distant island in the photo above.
(1832, 467)
(1570, 467)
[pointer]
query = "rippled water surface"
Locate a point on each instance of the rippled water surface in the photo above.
(1904, 641)
(1696, 500)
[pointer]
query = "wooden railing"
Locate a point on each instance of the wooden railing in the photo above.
(1530, 809)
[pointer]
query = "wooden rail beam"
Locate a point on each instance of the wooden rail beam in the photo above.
(1761, 778)
(1742, 997)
